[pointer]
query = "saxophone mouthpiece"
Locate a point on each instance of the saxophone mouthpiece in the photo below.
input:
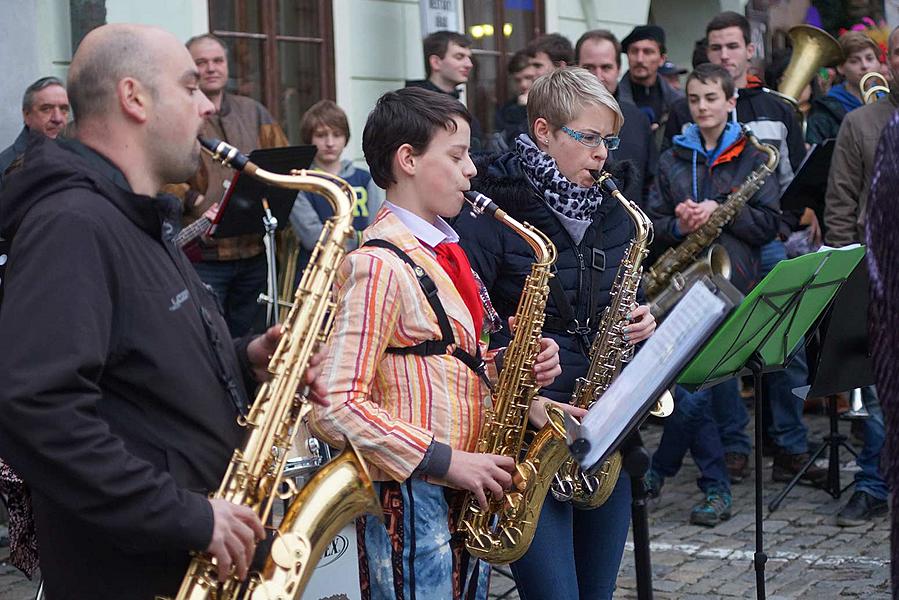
(605, 181)
(223, 152)
(480, 203)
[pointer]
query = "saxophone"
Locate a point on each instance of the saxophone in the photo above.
(503, 533)
(679, 267)
(607, 354)
(342, 489)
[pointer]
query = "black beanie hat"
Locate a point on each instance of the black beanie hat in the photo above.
(645, 32)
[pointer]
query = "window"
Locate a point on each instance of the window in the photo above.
(280, 52)
(499, 28)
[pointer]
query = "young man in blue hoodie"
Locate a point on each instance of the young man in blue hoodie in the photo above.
(706, 163)
(861, 55)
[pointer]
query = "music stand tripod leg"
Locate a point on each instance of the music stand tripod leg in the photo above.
(756, 364)
(636, 462)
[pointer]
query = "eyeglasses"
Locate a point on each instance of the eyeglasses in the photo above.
(592, 140)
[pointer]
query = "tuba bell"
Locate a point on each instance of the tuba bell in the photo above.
(813, 48)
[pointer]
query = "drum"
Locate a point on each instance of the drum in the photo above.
(306, 455)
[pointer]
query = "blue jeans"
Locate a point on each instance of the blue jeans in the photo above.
(575, 554)
(870, 478)
(412, 553)
(786, 425)
(237, 285)
(692, 427)
(731, 416)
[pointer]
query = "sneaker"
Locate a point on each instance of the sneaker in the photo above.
(861, 508)
(737, 466)
(652, 484)
(786, 466)
(713, 510)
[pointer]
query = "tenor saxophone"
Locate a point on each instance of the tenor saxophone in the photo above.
(608, 353)
(503, 533)
(342, 489)
(679, 267)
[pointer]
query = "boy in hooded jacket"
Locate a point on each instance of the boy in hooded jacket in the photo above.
(707, 162)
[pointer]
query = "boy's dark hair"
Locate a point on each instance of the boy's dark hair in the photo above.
(598, 34)
(556, 46)
(327, 113)
(700, 52)
(519, 62)
(709, 72)
(437, 44)
(730, 19)
(406, 116)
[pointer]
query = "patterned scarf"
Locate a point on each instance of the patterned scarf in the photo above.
(563, 196)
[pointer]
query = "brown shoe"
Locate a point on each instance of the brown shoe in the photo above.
(786, 466)
(737, 466)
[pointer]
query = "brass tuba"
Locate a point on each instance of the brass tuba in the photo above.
(502, 533)
(813, 48)
(342, 489)
(874, 92)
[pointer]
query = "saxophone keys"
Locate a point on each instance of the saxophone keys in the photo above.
(289, 549)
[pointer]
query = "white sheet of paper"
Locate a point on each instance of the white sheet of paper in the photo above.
(664, 354)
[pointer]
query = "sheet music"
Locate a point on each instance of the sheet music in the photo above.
(660, 360)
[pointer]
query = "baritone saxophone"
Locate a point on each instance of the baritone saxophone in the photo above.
(342, 489)
(503, 533)
(608, 353)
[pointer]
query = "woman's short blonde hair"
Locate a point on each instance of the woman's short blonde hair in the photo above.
(560, 96)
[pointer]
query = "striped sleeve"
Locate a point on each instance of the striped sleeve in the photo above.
(368, 308)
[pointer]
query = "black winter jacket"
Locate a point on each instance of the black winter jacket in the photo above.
(112, 378)
(755, 225)
(824, 119)
(503, 259)
(637, 146)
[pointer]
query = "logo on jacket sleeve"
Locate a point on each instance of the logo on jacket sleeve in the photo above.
(179, 299)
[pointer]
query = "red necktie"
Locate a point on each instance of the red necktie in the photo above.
(452, 258)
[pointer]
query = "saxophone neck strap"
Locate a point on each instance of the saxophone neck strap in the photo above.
(567, 321)
(434, 347)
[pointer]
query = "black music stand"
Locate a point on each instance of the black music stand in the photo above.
(839, 360)
(251, 206)
(808, 187)
(761, 336)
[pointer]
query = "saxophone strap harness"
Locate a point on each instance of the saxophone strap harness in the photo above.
(447, 338)
(567, 321)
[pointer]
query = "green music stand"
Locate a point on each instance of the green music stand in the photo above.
(761, 335)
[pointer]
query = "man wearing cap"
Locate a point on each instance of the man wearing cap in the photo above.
(671, 73)
(645, 49)
(599, 52)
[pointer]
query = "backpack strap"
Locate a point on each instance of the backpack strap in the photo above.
(434, 347)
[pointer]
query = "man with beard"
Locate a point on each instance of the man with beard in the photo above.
(121, 394)
(642, 85)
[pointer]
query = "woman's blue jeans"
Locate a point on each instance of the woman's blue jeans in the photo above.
(575, 554)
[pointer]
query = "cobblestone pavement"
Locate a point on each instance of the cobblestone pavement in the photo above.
(809, 556)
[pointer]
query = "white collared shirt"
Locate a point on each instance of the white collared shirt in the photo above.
(429, 233)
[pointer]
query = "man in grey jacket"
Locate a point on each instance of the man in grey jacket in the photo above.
(848, 186)
(852, 166)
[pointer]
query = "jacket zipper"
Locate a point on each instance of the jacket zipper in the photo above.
(582, 266)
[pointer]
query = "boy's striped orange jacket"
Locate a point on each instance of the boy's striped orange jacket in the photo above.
(392, 406)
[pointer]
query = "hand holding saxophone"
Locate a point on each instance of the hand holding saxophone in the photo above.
(259, 353)
(538, 417)
(235, 531)
(546, 365)
(641, 325)
(480, 474)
